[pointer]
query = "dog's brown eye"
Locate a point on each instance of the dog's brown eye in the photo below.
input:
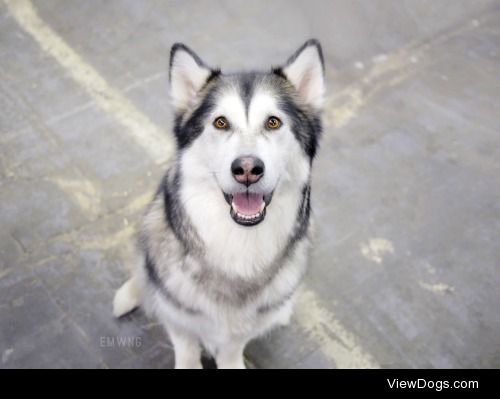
(273, 123)
(221, 123)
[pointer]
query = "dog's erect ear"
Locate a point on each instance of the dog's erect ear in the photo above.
(305, 70)
(188, 74)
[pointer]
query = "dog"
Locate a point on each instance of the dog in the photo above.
(224, 244)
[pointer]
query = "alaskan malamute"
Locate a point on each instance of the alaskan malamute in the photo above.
(225, 240)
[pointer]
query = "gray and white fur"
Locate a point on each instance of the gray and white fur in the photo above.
(225, 241)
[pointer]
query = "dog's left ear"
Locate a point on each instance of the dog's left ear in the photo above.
(305, 70)
(188, 74)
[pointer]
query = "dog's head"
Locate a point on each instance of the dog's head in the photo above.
(250, 133)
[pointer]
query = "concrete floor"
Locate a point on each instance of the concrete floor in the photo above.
(405, 270)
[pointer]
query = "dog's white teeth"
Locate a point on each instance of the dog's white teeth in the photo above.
(248, 217)
(263, 205)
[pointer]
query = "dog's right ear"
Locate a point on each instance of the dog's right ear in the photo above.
(188, 74)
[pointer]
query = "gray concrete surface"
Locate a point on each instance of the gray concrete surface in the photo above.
(405, 270)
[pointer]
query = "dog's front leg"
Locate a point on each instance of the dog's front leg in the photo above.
(230, 356)
(187, 349)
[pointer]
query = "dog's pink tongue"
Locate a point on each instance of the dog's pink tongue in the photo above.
(248, 203)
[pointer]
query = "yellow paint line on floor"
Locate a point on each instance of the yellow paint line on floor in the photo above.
(335, 341)
(386, 70)
(83, 193)
(137, 125)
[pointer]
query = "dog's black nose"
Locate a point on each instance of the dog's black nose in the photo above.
(247, 170)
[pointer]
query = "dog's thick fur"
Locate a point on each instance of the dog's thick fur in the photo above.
(212, 278)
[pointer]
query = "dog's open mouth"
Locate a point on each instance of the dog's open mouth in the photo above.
(248, 209)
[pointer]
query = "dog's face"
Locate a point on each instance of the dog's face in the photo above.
(249, 134)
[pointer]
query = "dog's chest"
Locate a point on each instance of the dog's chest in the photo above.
(238, 301)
